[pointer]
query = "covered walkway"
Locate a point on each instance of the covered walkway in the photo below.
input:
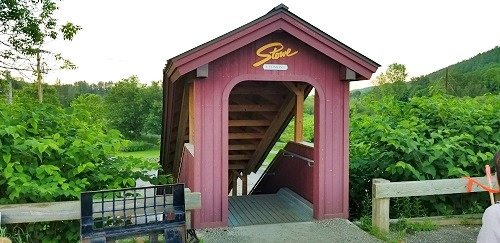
(283, 207)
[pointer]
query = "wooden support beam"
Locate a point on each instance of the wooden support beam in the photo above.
(299, 117)
(234, 147)
(245, 135)
(276, 124)
(181, 129)
(244, 185)
(239, 156)
(298, 90)
(237, 165)
(248, 123)
(240, 108)
(191, 113)
(292, 87)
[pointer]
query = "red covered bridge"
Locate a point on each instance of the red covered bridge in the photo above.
(227, 101)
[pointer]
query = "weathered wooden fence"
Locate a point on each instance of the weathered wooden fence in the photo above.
(70, 210)
(383, 190)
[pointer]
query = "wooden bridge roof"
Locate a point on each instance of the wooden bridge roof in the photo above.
(279, 18)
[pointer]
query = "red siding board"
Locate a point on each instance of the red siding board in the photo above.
(277, 22)
(328, 188)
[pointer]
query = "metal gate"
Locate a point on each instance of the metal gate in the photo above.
(121, 213)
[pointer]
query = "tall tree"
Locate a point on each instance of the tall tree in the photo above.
(395, 73)
(124, 107)
(27, 26)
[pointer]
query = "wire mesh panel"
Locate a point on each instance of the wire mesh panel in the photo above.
(111, 214)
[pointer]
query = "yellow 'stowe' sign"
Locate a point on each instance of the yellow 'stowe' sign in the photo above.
(273, 51)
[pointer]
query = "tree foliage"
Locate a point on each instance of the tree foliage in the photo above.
(424, 138)
(130, 104)
(51, 154)
(89, 108)
(395, 73)
(473, 77)
(27, 26)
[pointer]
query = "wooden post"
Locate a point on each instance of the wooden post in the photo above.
(299, 116)
(298, 90)
(244, 186)
(191, 113)
(380, 208)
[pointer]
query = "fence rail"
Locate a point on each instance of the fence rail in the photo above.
(69, 210)
(383, 190)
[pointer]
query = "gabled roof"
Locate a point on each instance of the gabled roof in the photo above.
(279, 18)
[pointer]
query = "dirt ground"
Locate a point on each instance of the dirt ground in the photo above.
(335, 230)
(453, 234)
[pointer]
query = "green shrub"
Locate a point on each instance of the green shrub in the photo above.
(424, 138)
(49, 154)
(134, 146)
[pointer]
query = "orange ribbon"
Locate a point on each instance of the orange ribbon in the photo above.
(472, 181)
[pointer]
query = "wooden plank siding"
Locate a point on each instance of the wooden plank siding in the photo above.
(211, 125)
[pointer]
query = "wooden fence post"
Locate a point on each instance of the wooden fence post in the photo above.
(380, 208)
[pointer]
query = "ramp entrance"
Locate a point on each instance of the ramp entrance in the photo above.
(285, 206)
(259, 113)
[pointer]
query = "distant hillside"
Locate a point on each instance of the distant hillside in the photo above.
(475, 76)
(363, 90)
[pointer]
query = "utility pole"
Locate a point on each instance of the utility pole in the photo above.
(39, 76)
(446, 81)
(9, 92)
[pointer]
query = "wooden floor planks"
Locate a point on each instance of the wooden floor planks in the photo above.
(266, 209)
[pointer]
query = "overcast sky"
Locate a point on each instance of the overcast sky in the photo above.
(121, 38)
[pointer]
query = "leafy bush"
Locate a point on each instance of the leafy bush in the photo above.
(425, 138)
(49, 154)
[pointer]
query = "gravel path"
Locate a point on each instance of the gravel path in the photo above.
(335, 230)
(453, 234)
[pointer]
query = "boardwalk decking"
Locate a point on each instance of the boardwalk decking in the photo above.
(283, 207)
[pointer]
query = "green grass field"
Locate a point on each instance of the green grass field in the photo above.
(274, 151)
(147, 154)
(155, 153)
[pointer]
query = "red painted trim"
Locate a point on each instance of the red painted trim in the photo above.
(318, 181)
(280, 21)
(346, 147)
(212, 225)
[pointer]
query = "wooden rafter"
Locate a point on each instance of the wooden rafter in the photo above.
(246, 123)
(239, 156)
(244, 108)
(236, 147)
(191, 113)
(181, 129)
(273, 129)
(245, 135)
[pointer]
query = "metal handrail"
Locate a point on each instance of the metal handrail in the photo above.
(310, 162)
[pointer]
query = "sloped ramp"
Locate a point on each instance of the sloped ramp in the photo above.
(285, 206)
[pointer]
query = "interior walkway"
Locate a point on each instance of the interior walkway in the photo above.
(283, 207)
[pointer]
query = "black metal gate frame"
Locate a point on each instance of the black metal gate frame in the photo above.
(120, 213)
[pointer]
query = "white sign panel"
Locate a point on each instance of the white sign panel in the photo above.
(278, 67)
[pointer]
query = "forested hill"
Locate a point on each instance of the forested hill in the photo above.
(481, 63)
(472, 77)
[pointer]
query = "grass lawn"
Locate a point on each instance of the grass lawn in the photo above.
(273, 152)
(147, 154)
(155, 153)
